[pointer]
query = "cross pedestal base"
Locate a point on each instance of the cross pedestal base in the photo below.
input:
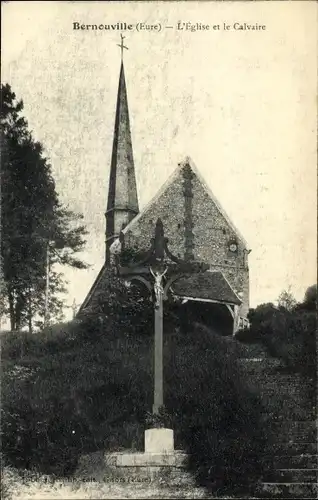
(160, 461)
(159, 452)
(159, 440)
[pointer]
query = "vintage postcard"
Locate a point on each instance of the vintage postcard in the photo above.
(158, 249)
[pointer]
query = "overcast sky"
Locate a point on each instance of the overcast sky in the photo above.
(240, 103)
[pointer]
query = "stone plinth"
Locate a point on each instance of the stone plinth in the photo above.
(150, 466)
(175, 459)
(159, 441)
(158, 461)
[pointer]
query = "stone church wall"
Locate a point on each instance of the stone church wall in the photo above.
(193, 223)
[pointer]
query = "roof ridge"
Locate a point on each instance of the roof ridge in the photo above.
(187, 161)
(218, 204)
(92, 289)
(156, 196)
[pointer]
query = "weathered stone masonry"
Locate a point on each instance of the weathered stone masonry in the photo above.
(196, 228)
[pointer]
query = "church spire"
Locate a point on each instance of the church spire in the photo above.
(122, 204)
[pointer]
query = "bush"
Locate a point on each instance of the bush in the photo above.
(95, 385)
(124, 305)
(310, 300)
(293, 341)
(216, 419)
(287, 334)
(247, 336)
(53, 339)
(46, 440)
(102, 388)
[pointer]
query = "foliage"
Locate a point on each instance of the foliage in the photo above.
(54, 339)
(288, 332)
(17, 484)
(260, 319)
(310, 300)
(95, 385)
(100, 385)
(37, 231)
(217, 420)
(246, 336)
(125, 304)
(286, 300)
(293, 341)
(162, 419)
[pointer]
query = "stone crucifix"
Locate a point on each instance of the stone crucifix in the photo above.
(158, 350)
(158, 288)
(157, 262)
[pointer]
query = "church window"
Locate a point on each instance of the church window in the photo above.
(179, 225)
(232, 246)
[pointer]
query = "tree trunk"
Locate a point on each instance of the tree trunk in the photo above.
(30, 315)
(30, 322)
(19, 307)
(11, 311)
(17, 320)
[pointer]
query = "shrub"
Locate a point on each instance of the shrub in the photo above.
(289, 335)
(46, 440)
(261, 319)
(102, 388)
(122, 304)
(15, 344)
(293, 341)
(216, 419)
(310, 300)
(96, 387)
(54, 339)
(247, 336)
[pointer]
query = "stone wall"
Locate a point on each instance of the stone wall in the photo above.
(195, 225)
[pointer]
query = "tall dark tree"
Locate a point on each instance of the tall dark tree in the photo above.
(37, 231)
(310, 299)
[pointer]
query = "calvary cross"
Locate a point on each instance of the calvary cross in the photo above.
(122, 46)
(155, 264)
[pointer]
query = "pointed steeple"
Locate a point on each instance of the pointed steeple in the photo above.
(122, 204)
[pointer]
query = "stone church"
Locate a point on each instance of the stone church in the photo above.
(195, 223)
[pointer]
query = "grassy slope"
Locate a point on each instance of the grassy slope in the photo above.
(101, 387)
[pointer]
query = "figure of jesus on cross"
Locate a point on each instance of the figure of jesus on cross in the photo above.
(158, 288)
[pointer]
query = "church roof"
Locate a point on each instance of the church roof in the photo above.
(92, 289)
(206, 286)
(170, 180)
(122, 191)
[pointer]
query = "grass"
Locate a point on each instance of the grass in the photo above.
(78, 392)
(21, 485)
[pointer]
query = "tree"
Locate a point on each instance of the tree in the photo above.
(55, 300)
(37, 231)
(286, 300)
(260, 319)
(310, 299)
(2, 293)
(288, 332)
